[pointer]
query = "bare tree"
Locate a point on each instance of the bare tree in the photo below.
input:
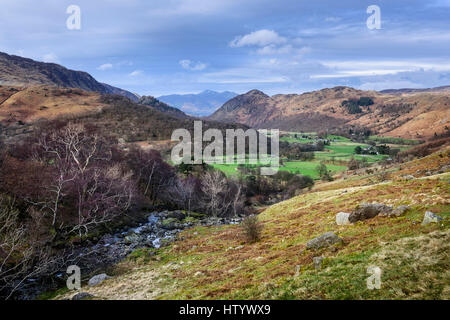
(190, 189)
(152, 174)
(184, 192)
(214, 184)
(22, 254)
(102, 194)
(237, 199)
(81, 171)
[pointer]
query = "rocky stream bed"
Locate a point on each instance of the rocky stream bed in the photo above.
(159, 229)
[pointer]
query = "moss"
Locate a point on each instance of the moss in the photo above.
(196, 215)
(167, 222)
(190, 219)
(48, 295)
(141, 255)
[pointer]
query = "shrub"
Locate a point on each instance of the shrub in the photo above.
(323, 172)
(365, 101)
(353, 164)
(352, 106)
(251, 228)
(383, 176)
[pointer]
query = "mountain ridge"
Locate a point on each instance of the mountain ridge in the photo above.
(20, 71)
(161, 106)
(412, 115)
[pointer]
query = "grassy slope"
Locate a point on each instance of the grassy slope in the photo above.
(216, 262)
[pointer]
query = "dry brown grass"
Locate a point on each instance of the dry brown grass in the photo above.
(45, 102)
(217, 263)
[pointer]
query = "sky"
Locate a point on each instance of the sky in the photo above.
(159, 47)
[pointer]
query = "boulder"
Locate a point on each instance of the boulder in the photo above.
(169, 224)
(430, 217)
(179, 215)
(368, 211)
(95, 280)
(325, 240)
(82, 296)
(132, 238)
(342, 218)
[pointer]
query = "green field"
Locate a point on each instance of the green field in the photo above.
(344, 151)
(292, 139)
(398, 141)
(341, 150)
(307, 168)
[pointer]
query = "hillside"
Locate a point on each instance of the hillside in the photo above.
(22, 109)
(201, 104)
(19, 71)
(218, 263)
(161, 106)
(414, 115)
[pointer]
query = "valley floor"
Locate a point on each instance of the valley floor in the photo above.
(217, 262)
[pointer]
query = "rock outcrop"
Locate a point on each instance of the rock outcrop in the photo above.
(325, 240)
(368, 211)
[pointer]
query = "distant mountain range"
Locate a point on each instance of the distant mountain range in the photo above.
(408, 90)
(19, 71)
(32, 90)
(201, 104)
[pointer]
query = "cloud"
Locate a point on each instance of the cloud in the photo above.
(270, 43)
(272, 49)
(106, 66)
(332, 19)
(257, 39)
(287, 49)
(50, 58)
(346, 69)
(251, 74)
(192, 66)
(136, 73)
(260, 38)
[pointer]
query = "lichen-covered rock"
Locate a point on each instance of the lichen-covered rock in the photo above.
(325, 240)
(177, 214)
(95, 280)
(169, 224)
(430, 217)
(368, 211)
(342, 218)
(82, 296)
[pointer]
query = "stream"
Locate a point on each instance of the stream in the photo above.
(159, 229)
